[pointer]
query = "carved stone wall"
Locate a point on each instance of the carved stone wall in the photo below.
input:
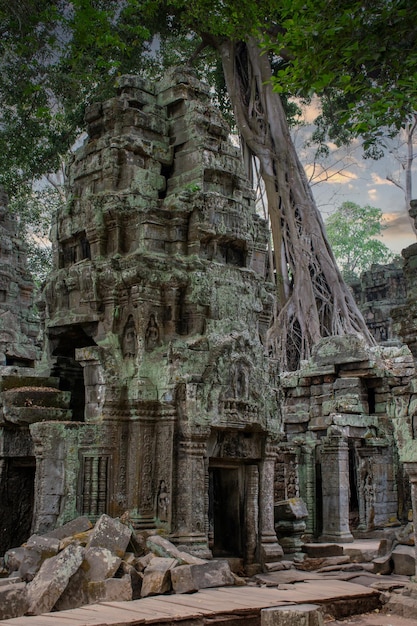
(378, 292)
(348, 412)
(155, 316)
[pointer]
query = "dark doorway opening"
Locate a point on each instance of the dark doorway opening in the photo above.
(319, 502)
(64, 341)
(17, 501)
(353, 487)
(225, 511)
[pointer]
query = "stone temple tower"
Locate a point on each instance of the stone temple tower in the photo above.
(157, 308)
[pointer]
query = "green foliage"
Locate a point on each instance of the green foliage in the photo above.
(34, 210)
(352, 232)
(359, 57)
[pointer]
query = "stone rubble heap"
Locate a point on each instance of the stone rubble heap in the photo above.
(78, 564)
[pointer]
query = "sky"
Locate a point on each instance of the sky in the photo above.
(347, 176)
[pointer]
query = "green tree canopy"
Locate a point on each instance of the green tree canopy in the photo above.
(352, 231)
(360, 57)
(79, 46)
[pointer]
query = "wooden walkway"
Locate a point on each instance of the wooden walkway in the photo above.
(225, 605)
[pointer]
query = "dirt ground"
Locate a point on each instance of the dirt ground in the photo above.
(373, 619)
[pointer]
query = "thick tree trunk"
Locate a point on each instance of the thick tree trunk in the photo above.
(313, 301)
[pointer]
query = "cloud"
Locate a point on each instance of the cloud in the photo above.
(333, 175)
(398, 232)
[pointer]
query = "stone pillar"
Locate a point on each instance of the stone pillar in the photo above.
(411, 469)
(191, 502)
(252, 513)
(335, 489)
(51, 457)
(95, 388)
(270, 550)
(307, 465)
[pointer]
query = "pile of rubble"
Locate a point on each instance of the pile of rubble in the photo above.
(78, 564)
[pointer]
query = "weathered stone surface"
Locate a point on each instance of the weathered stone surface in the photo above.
(162, 547)
(157, 576)
(297, 615)
(52, 578)
(111, 534)
(344, 349)
(404, 558)
(292, 509)
(189, 578)
(383, 564)
(182, 580)
(13, 600)
(98, 565)
(110, 590)
(75, 526)
(322, 550)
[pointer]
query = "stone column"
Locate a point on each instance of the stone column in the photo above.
(270, 550)
(335, 489)
(252, 513)
(411, 469)
(190, 522)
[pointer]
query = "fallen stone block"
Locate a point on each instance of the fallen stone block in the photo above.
(143, 561)
(110, 590)
(278, 566)
(157, 576)
(52, 579)
(98, 565)
(13, 599)
(292, 509)
(191, 578)
(75, 526)
(182, 580)
(297, 615)
(322, 550)
(405, 535)
(135, 578)
(13, 559)
(404, 558)
(162, 547)
(111, 534)
(308, 565)
(383, 564)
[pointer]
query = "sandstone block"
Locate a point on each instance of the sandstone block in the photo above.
(157, 576)
(13, 600)
(135, 578)
(292, 509)
(182, 579)
(110, 590)
(210, 574)
(52, 578)
(383, 564)
(322, 550)
(404, 558)
(75, 526)
(297, 615)
(14, 558)
(98, 565)
(164, 548)
(111, 534)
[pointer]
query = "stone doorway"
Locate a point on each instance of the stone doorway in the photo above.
(226, 517)
(64, 340)
(17, 480)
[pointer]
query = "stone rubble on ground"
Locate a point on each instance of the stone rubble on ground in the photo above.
(79, 564)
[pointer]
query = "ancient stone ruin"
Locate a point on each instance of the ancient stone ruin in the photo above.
(155, 395)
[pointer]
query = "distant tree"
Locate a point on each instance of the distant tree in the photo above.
(352, 232)
(34, 209)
